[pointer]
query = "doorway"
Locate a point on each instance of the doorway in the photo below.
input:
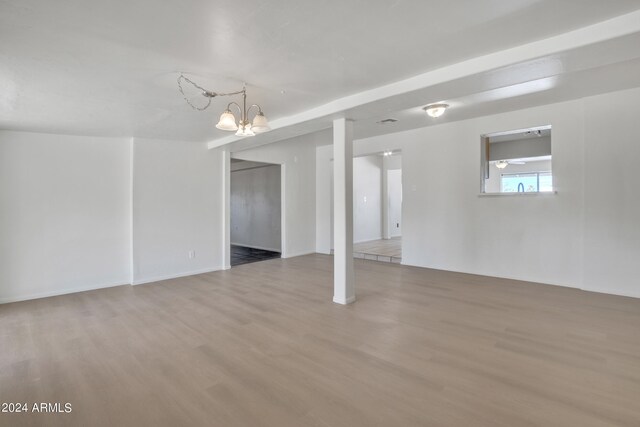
(255, 211)
(377, 207)
(388, 247)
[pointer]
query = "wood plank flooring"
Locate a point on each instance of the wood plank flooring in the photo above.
(263, 345)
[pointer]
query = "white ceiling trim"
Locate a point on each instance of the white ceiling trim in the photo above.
(600, 32)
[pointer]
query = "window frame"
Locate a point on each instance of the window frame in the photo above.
(537, 175)
(485, 163)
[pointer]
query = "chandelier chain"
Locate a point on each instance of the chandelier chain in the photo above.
(206, 93)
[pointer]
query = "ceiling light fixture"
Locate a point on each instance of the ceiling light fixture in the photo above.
(501, 164)
(228, 122)
(436, 110)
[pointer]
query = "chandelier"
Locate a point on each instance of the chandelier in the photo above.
(228, 122)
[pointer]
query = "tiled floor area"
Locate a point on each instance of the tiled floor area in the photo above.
(385, 250)
(243, 255)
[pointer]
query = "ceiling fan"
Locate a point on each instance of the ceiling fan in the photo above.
(501, 164)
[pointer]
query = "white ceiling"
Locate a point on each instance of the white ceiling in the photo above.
(110, 67)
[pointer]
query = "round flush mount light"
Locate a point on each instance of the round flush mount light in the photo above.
(436, 110)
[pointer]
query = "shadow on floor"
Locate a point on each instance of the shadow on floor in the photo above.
(243, 255)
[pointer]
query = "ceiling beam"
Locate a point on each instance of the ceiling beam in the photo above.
(600, 32)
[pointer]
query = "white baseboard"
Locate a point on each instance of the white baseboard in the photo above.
(532, 280)
(367, 240)
(295, 254)
(59, 292)
(256, 247)
(488, 274)
(175, 276)
(344, 301)
(613, 292)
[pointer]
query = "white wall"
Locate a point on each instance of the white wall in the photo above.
(324, 197)
(394, 162)
(297, 158)
(394, 186)
(255, 207)
(64, 214)
(367, 203)
(177, 194)
(611, 224)
(586, 236)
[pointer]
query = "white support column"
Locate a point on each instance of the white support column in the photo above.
(343, 275)
(226, 209)
(386, 234)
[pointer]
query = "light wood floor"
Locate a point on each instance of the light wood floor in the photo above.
(263, 345)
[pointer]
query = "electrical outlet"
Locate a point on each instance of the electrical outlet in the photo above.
(192, 254)
(397, 225)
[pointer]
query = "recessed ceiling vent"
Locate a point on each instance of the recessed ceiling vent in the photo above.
(387, 121)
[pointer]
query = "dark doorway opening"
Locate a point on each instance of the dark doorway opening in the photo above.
(243, 255)
(255, 211)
